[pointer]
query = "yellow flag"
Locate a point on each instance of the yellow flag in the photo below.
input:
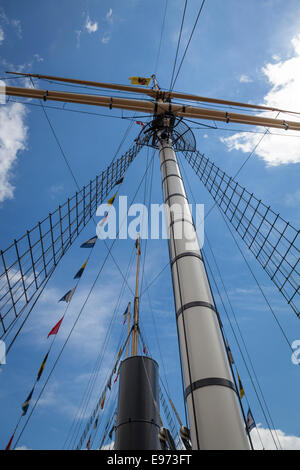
(139, 80)
(111, 200)
(242, 391)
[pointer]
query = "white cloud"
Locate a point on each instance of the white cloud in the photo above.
(18, 28)
(261, 435)
(105, 39)
(38, 58)
(91, 26)
(245, 79)
(108, 16)
(13, 136)
(56, 190)
(284, 78)
(78, 34)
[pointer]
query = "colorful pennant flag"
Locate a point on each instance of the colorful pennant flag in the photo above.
(56, 327)
(111, 200)
(120, 353)
(117, 376)
(68, 296)
(10, 441)
(103, 440)
(250, 423)
(102, 403)
(125, 315)
(242, 391)
(27, 403)
(89, 243)
(120, 180)
(140, 123)
(109, 382)
(42, 367)
(139, 80)
(230, 356)
(144, 349)
(79, 273)
(96, 422)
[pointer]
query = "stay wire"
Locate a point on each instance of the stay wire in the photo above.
(259, 286)
(242, 338)
(148, 223)
(144, 277)
(138, 190)
(80, 312)
(243, 358)
(178, 43)
(90, 113)
(235, 336)
(187, 46)
(240, 168)
(113, 319)
(161, 36)
(148, 353)
(71, 171)
(97, 366)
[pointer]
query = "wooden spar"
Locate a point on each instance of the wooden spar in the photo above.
(153, 92)
(110, 86)
(147, 106)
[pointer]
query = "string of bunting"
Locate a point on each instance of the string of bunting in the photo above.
(250, 422)
(106, 430)
(90, 243)
(101, 402)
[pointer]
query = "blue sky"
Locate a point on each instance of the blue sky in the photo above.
(243, 51)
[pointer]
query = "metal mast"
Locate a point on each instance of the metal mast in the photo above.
(213, 406)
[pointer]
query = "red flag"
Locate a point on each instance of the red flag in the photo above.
(56, 327)
(88, 444)
(116, 378)
(10, 441)
(140, 123)
(144, 349)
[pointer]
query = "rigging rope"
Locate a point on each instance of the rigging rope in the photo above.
(91, 383)
(178, 43)
(77, 318)
(33, 256)
(187, 46)
(139, 186)
(271, 239)
(161, 35)
(240, 333)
